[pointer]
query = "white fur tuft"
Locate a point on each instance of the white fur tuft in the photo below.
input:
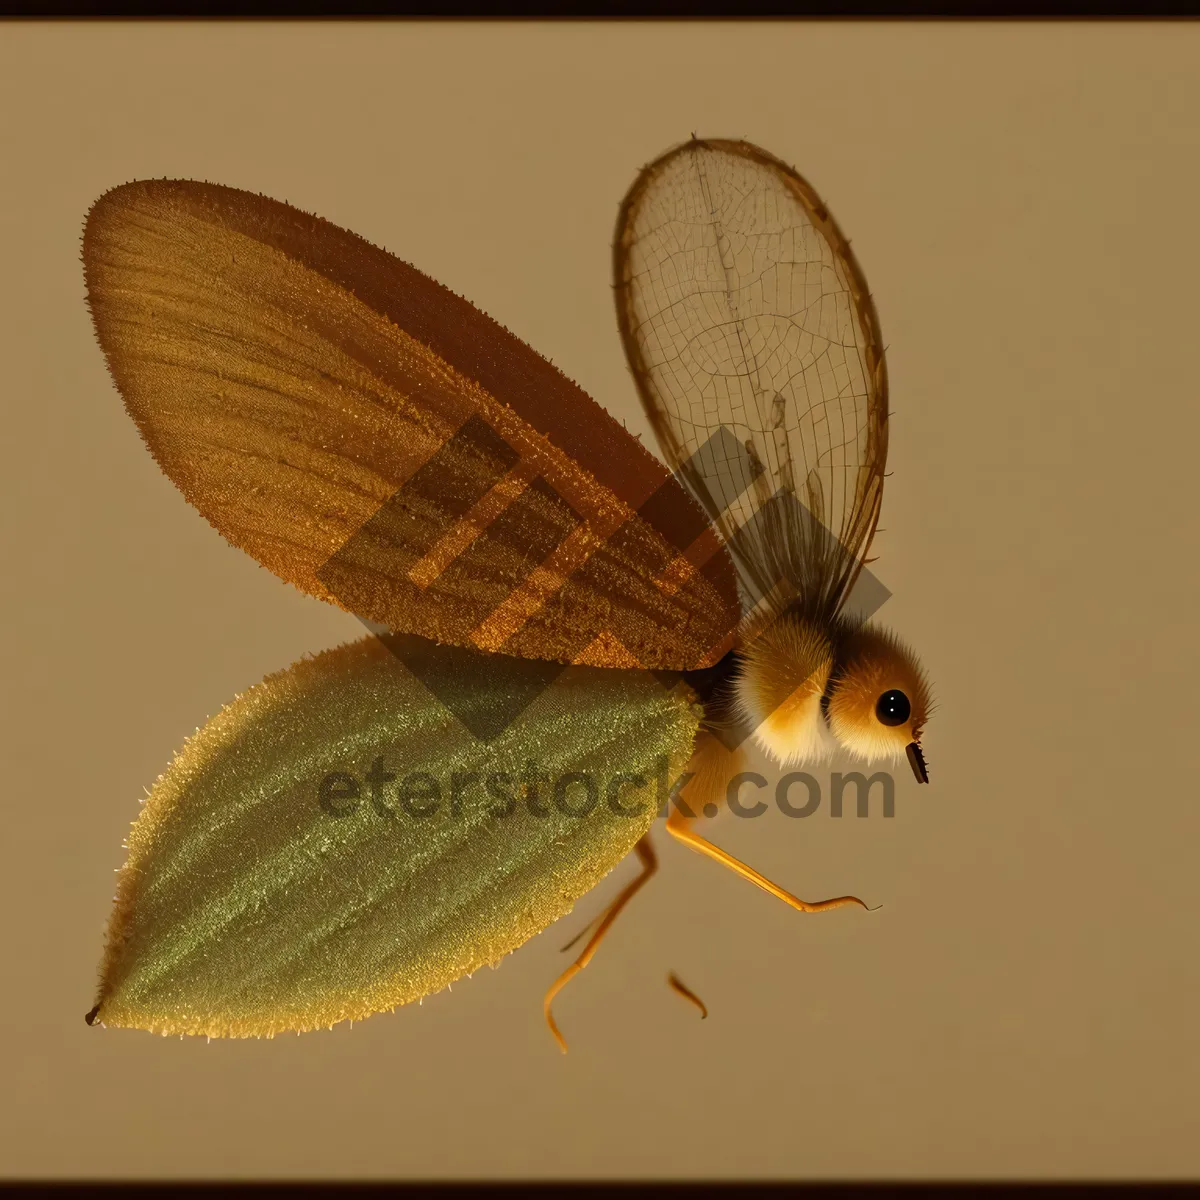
(796, 737)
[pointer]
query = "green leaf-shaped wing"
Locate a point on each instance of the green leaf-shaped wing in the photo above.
(335, 842)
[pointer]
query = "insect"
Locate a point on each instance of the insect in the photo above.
(567, 637)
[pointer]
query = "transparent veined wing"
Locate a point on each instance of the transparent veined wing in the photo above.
(756, 349)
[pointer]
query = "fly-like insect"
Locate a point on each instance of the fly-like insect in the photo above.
(570, 637)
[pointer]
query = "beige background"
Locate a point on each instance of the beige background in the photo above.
(1024, 201)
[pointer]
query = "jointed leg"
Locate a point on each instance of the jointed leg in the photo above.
(678, 828)
(649, 860)
(582, 933)
(713, 766)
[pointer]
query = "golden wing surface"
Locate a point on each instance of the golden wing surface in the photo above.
(756, 349)
(377, 441)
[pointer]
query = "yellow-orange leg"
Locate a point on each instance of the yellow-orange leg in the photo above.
(581, 934)
(711, 763)
(649, 859)
(679, 829)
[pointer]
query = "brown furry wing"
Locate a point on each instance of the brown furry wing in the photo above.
(375, 440)
(756, 349)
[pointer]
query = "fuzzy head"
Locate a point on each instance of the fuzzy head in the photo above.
(805, 693)
(878, 700)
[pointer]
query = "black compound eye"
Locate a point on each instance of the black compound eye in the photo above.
(893, 708)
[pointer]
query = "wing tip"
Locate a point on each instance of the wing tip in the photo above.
(115, 207)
